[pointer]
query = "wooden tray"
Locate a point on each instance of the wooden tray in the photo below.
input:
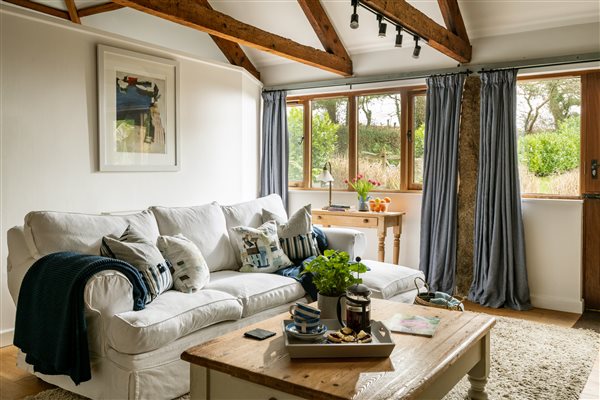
(381, 346)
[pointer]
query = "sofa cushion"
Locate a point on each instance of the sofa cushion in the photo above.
(388, 280)
(258, 291)
(295, 235)
(188, 266)
(249, 214)
(205, 226)
(260, 249)
(136, 250)
(171, 316)
(47, 232)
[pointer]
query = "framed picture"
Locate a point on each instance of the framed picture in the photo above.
(137, 111)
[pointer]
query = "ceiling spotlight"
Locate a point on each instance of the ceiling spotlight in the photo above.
(398, 36)
(382, 25)
(354, 17)
(417, 49)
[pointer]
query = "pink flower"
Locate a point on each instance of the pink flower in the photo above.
(378, 183)
(359, 176)
(354, 180)
(345, 180)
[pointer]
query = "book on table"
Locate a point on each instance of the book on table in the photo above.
(413, 324)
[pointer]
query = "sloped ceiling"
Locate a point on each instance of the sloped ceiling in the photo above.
(483, 19)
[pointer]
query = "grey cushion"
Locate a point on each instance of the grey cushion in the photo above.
(138, 251)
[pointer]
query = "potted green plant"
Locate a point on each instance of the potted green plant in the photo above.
(333, 273)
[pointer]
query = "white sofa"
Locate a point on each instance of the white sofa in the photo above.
(136, 354)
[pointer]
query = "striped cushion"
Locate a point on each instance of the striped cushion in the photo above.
(138, 251)
(300, 247)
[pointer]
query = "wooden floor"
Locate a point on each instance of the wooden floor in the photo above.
(16, 384)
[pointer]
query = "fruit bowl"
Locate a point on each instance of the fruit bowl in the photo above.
(379, 205)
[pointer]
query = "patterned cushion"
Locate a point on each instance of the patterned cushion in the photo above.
(138, 251)
(259, 248)
(188, 267)
(296, 235)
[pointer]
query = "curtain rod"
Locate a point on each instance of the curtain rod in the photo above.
(401, 76)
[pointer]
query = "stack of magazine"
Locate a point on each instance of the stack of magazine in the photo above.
(337, 207)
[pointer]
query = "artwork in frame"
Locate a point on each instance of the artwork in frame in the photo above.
(137, 111)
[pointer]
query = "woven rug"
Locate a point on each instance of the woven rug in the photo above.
(530, 361)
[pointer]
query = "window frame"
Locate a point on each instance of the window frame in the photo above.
(299, 184)
(582, 131)
(306, 100)
(412, 185)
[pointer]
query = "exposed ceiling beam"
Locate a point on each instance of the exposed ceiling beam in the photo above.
(40, 8)
(100, 8)
(193, 15)
(313, 9)
(232, 51)
(438, 37)
(453, 18)
(72, 9)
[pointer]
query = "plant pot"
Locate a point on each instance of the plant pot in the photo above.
(328, 306)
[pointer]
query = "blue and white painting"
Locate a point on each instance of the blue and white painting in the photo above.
(140, 123)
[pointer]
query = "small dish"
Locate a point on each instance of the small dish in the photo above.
(293, 330)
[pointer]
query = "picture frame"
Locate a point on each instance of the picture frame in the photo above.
(137, 111)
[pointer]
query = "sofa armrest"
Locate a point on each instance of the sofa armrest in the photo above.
(106, 293)
(349, 240)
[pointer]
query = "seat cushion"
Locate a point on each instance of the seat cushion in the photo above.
(47, 232)
(205, 226)
(170, 316)
(388, 280)
(257, 291)
(249, 214)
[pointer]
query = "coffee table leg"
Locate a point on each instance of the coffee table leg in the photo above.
(478, 376)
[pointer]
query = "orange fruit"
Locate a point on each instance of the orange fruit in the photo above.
(387, 200)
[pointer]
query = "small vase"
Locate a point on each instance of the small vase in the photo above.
(328, 306)
(363, 203)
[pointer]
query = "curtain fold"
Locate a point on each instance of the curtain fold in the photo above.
(275, 146)
(440, 175)
(499, 270)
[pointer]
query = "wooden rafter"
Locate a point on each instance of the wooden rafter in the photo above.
(72, 9)
(194, 15)
(314, 11)
(232, 51)
(100, 8)
(453, 18)
(40, 8)
(438, 37)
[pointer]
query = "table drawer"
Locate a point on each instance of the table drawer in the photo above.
(339, 220)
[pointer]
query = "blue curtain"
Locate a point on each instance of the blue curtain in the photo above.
(440, 176)
(499, 271)
(275, 146)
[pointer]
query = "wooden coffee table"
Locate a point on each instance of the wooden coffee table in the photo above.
(234, 367)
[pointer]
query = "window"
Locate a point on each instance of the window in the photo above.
(379, 145)
(416, 139)
(359, 132)
(329, 123)
(295, 117)
(549, 135)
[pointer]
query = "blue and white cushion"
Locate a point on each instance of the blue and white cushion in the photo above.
(260, 249)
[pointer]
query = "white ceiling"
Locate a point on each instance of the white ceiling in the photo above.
(483, 18)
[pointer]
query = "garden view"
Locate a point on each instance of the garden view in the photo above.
(548, 124)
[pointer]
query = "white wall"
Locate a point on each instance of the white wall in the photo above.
(49, 131)
(552, 238)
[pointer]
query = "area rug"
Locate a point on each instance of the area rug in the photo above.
(530, 361)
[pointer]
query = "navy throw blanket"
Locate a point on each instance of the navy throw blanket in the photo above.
(50, 327)
(306, 280)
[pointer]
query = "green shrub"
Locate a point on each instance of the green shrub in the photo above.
(549, 153)
(419, 138)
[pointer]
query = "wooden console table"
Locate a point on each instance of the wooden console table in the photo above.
(359, 219)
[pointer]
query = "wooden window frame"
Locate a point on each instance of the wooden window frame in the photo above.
(410, 143)
(583, 133)
(306, 100)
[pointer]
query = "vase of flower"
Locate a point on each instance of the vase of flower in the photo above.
(363, 186)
